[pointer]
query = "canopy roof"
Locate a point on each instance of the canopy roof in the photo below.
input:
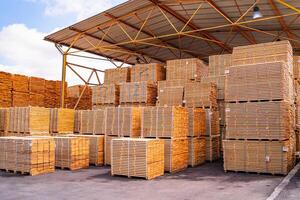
(156, 31)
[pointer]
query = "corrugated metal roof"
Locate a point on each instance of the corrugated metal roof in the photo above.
(115, 28)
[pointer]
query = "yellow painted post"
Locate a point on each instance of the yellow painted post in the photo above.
(63, 80)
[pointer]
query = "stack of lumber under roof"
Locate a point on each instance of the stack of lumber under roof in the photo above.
(202, 95)
(188, 69)
(50, 97)
(138, 93)
(296, 64)
(28, 121)
(148, 72)
(106, 95)
(36, 91)
(297, 134)
(212, 135)
(134, 157)
(74, 93)
(20, 90)
(5, 89)
(123, 121)
(176, 154)
(72, 152)
(197, 151)
(117, 75)
(90, 122)
(3, 121)
(107, 148)
(213, 144)
(61, 120)
(96, 148)
(27, 155)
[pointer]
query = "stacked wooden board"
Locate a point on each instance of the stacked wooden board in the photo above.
(197, 122)
(27, 155)
(5, 89)
(138, 93)
(259, 110)
(148, 72)
(74, 93)
(197, 151)
(61, 120)
(37, 91)
(107, 148)
(72, 152)
(3, 121)
(106, 95)
(117, 75)
(134, 157)
(213, 145)
(212, 135)
(20, 90)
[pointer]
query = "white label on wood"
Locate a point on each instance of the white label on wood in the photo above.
(227, 110)
(226, 71)
(267, 158)
(285, 149)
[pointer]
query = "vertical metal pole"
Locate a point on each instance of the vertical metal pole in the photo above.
(63, 80)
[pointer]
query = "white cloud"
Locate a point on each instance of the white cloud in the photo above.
(25, 52)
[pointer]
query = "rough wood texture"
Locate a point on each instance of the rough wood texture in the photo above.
(219, 81)
(164, 122)
(173, 83)
(106, 95)
(188, 69)
(27, 155)
(171, 96)
(37, 85)
(274, 157)
(176, 154)
(138, 92)
(218, 64)
(20, 99)
(50, 97)
(90, 122)
(107, 148)
(72, 152)
(3, 120)
(296, 71)
(134, 157)
(117, 75)
(28, 120)
(297, 141)
(197, 122)
(264, 53)
(36, 99)
(197, 151)
(76, 90)
(123, 121)
(5, 89)
(202, 95)
(212, 147)
(61, 120)
(212, 122)
(259, 120)
(20, 83)
(268, 81)
(148, 72)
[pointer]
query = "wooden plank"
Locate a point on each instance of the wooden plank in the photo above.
(117, 75)
(148, 72)
(197, 151)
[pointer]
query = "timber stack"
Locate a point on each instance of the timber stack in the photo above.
(77, 91)
(260, 113)
(61, 121)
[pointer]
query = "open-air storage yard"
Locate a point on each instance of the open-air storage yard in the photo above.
(203, 104)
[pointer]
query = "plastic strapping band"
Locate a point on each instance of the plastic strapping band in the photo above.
(156, 130)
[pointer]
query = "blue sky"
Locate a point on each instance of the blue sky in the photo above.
(24, 24)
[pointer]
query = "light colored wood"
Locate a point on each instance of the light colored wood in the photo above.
(3, 121)
(197, 151)
(61, 120)
(171, 96)
(212, 147)
(148, 72)
(90, 122)
(5, 89)
(197, 122)
(108, 94)
(107, 148)
(164, 122)
(218, 64)
(212, 122)
(117, 75)
(134, 157)
(296, 71)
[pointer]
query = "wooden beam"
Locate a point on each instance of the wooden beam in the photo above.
(190, 24)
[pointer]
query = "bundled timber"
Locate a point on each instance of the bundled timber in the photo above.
(28, 120)
(274, 157)
(297, 141)
(148, 72)
(218, 64)
(123, 121)
(90, 122)
(134, 157)
(296, 69)
(99, 122)
(188, 69)
(173, 83)
(164, 122)
(61, 120)
(117, 75)
(20, 83)
(5, 89)
(212, 122)
(84, 103)
(268, 81)
(37, 85)
(20, 99)
(36, 99)
(213, 144)
(143, 93)
(219, 81)
(76, 90)
(27, 155)
(3, 121)
(171, 96)
(264, 53)
(107, 148)
(50, 96)
(259, 120)
(202, 95)
(96, 148)
(197, 122)
(72, 152)
(197, 151)
(176, 154)
(222, 113)
(106, 95)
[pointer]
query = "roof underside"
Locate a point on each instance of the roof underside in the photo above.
(156, 31)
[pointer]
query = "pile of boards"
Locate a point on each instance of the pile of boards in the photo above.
(259, 109)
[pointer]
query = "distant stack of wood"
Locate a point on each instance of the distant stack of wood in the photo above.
(152, 72)
(37, 91)
(90, 122)
(138, 93)
(260, 97)
(74, 93)
(106, 95)
(27, 155)
(72, 152)
(61, 120)
(96, 155)
(137, 157)
(188, 69)
(5, 89)
(117, 75)
(123, 121)
(20, 90)
(212, 135)
(24, 121)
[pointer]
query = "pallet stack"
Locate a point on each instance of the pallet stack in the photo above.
(90, 122)
(27, 155)
(297, 101)
(135, 157)
(259, 109)
(117, 75)
(74, 93)
(171, 125)
(5, 89)
(20, 90)
(106, 95)
(72, 152)
(37, 91)
(3, 121)
(61, 121)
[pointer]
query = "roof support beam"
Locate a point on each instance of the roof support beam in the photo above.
(190, 24)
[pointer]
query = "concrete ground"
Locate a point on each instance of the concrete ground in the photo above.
(204, 182)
